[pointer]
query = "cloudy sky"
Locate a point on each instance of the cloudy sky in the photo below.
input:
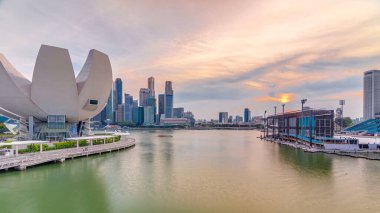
(222, 55)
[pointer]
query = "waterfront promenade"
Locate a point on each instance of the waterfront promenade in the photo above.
(21, 162)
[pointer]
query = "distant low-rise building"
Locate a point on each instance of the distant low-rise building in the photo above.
(258, 120)
(178, 112)
(174, 121)
(190, 116)
(238, 119)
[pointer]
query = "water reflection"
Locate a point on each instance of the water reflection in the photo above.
(306, 163)
(55, 187)
(197, 171)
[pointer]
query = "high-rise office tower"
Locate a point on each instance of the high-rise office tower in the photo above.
(144, 95)
(148, 115)
(110, 108)
(230, 119)
(152, 103)
(128, 106)
(168, 99)
(161, 106)
(135, 103)
(151, 86)
(168, 88)
(119, 91)
(371, 96)
(138, 115)
(223, 117)
(119, 113)
(247, 115)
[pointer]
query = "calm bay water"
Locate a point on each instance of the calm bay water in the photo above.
(197, 171)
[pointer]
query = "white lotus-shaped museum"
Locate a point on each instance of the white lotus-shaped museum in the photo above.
(54, 89)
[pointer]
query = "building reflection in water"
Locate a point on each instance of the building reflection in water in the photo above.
(306, 163)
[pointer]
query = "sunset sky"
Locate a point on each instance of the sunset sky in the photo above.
(220, 55)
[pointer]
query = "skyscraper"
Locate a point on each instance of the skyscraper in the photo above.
(148, 115)
(151, 86)
(247, 115)
(119, 91)
(110, 109)
(161, 105)
(371, 96)
(152, 103)
(168, 88)
(135, 103)
(128, 106)
(144, 95)
(168, 99)
(138, 115)
(119, 113)
(223, 117)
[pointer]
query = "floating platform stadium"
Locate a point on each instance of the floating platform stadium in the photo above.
(368, 128)
(314, 127)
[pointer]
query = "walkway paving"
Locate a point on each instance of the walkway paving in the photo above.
(22, 161)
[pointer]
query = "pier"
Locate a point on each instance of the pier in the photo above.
(23, 161)
(362, 153)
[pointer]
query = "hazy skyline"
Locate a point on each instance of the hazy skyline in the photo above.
(220, 55)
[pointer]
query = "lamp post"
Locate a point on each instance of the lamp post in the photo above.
(274, 117)
(265, 122)
(341, 103)
(303, 101)
(283, 118)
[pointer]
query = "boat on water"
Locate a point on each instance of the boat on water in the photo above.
(165, 136)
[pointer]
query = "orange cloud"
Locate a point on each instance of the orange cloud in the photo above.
(253, 84)
(282, 98)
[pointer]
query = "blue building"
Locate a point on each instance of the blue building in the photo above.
(168, 99)
(161, 105)
(138, 115)
(151, 102)
(148, 115)
(110, 111)
(119, 91)
(223, 117)
(168, 106)
(247, 115)
(128, 106)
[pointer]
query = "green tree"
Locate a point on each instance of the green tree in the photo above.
(347, 122)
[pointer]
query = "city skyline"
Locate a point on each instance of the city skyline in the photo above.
(254, 56)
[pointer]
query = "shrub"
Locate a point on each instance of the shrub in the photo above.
(83, 143)
(35, 148)
(65, 144)
(108, 140)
